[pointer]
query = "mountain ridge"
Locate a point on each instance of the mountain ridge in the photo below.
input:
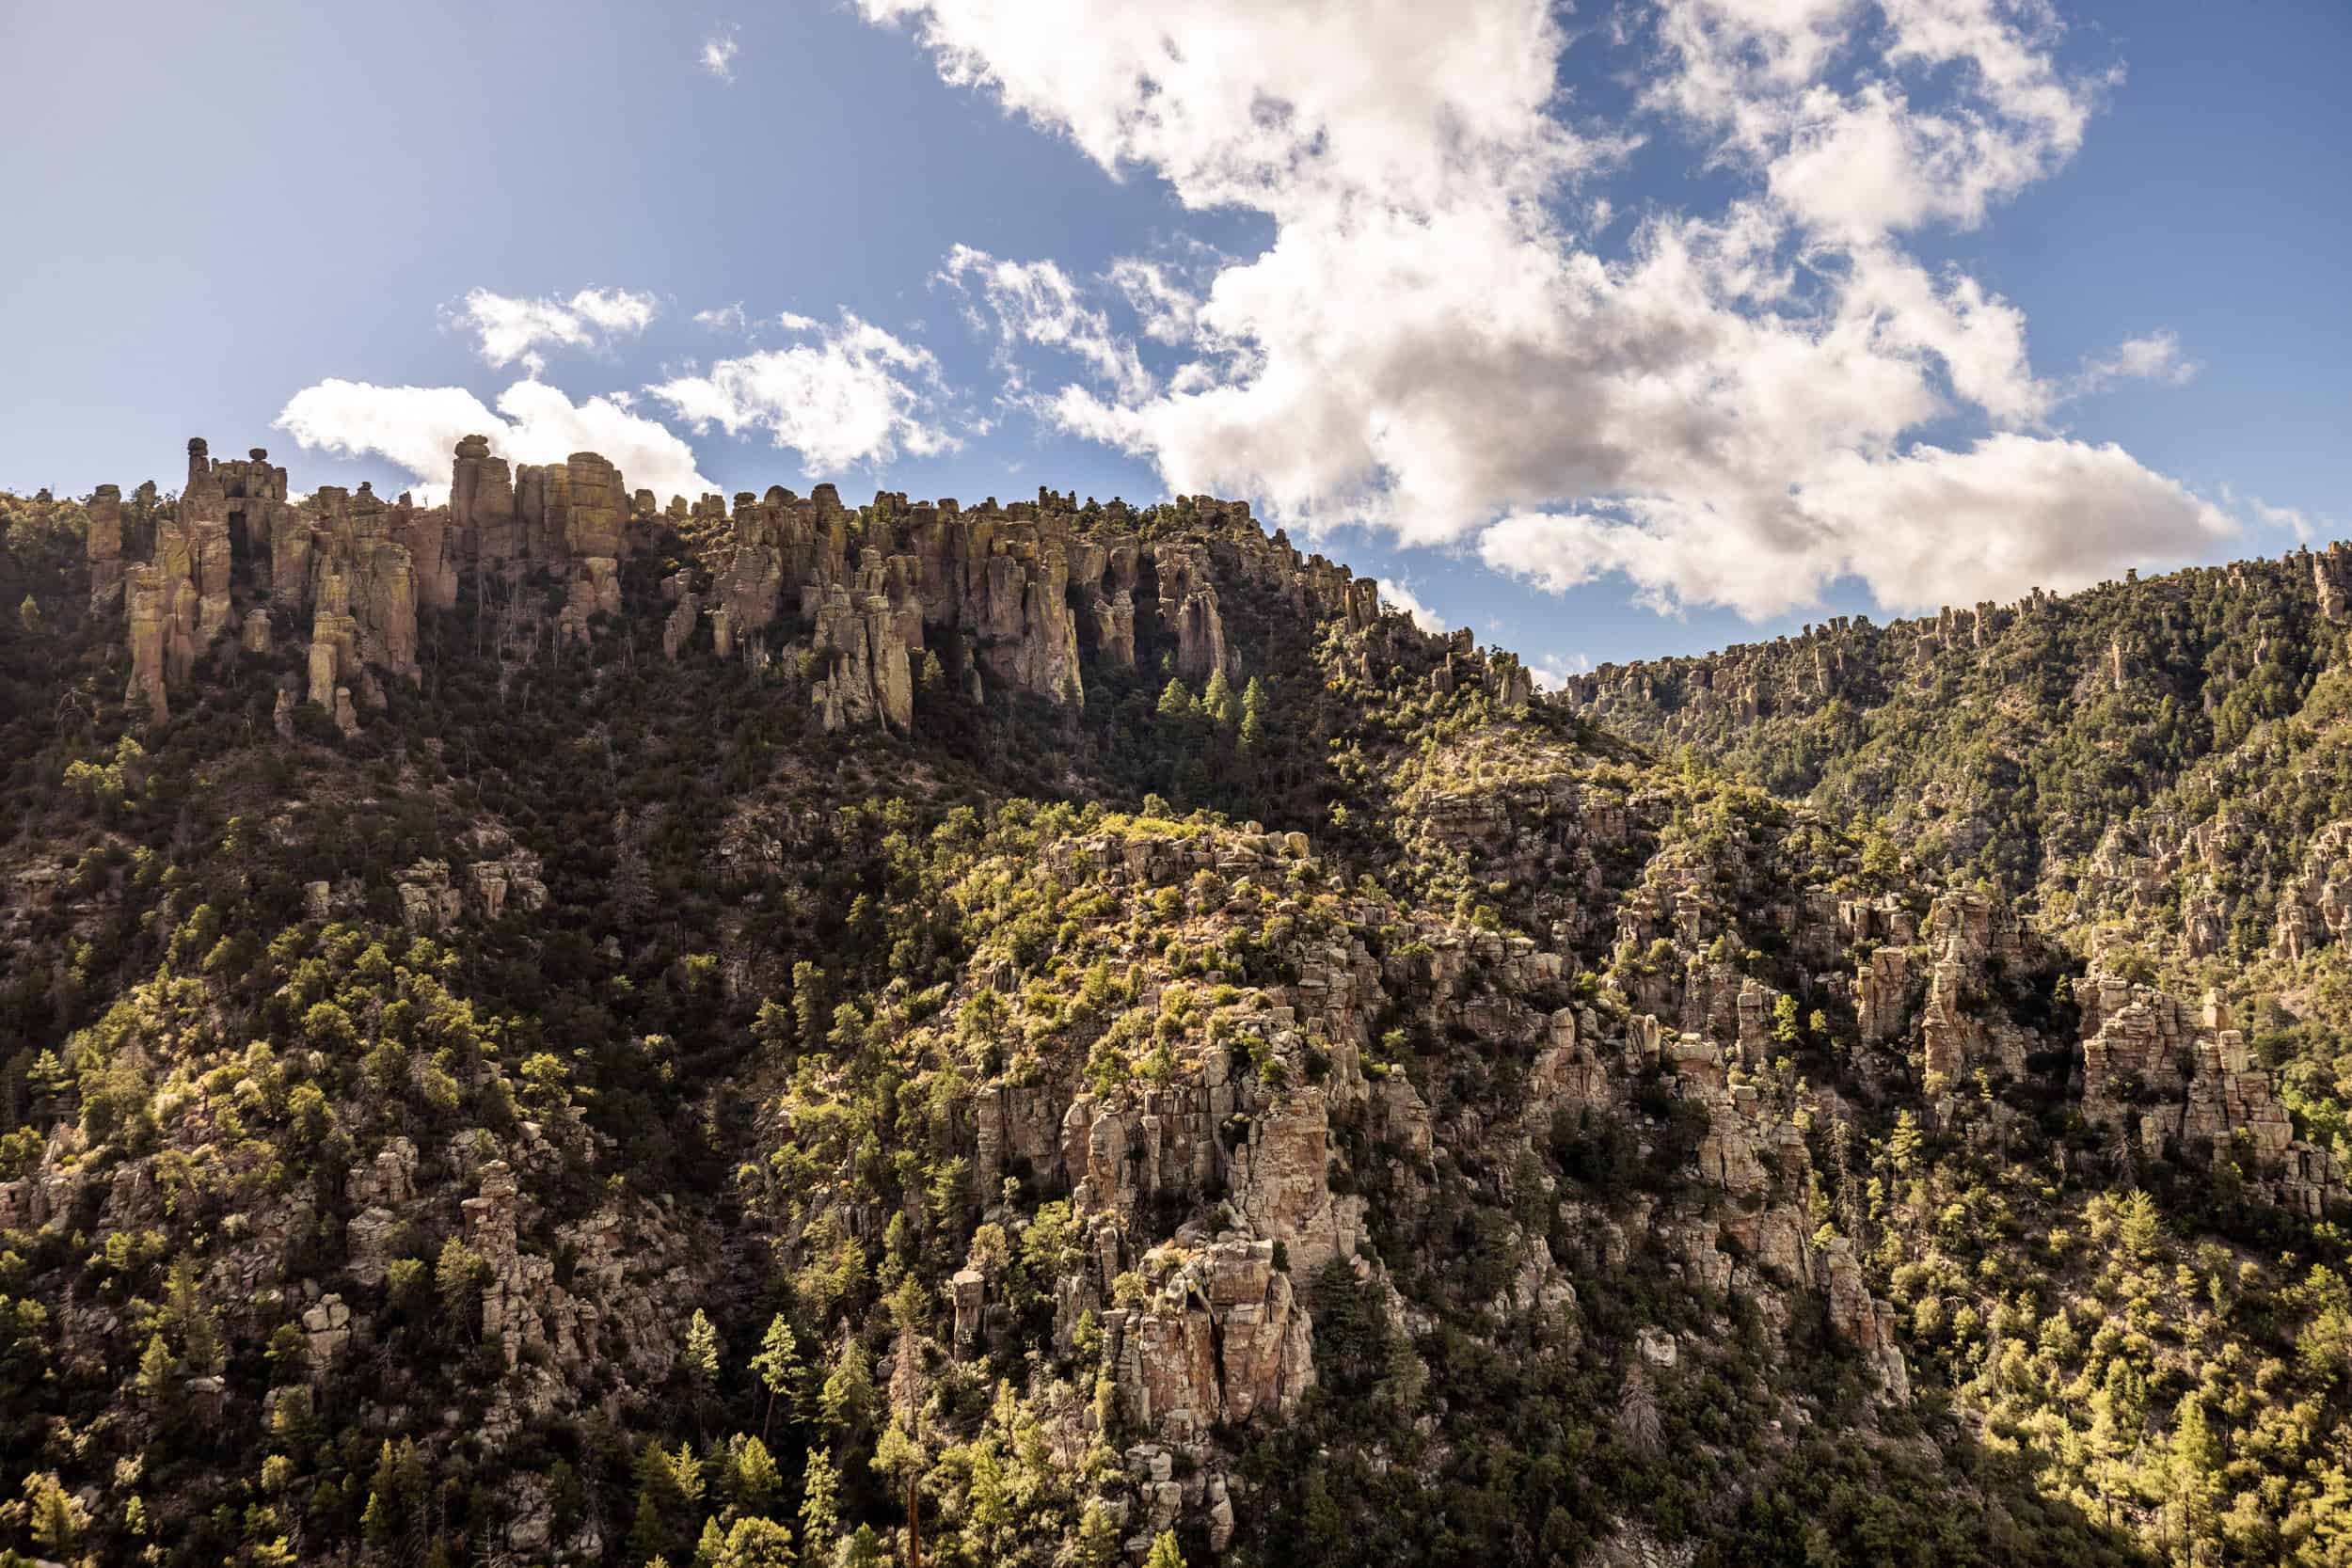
(837, 1020)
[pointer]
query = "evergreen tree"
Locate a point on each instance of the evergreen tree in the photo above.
(1253, 702)
(154, 1374)
(820, 1504)
(755, 1482)
(756, 1544)
(58, 1519)
(701, 1357)
(1217, 701)
(847, 1396)
(1904, 1146)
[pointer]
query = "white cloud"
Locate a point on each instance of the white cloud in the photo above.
(1927, 527)
(418, 428)
(1725, 413)
(1167, 304)
(855, 394)
(723, 318)
(2287, 519)
(1853, 162)
(1037, 303)
(2294, 519)
(1396, 596)
(2156, 357)
(1554, 671)
(719, 52)
(1241, 104)
(507, 328)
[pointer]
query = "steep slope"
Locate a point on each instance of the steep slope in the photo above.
(2002, 738)
(551, 1028)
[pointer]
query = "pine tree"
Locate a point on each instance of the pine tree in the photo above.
(820, 1505)
(755, 1482)
(1252, 714)
(848, 1392)
(686, 1472)
(808, 1003)
(154, 1375)
(1165, 1552)
(900, 1457)
(192, 1321)
(756, 1544)
(458, 1276)
(58, 1519)
(2141, 1225)
(1217, 701)
(1906, 1144)
(701, 1359)
(1098, 1544)
(658, 1498)
(1176, 700)
(648, 1535)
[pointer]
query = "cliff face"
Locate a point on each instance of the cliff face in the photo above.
(1015, 598)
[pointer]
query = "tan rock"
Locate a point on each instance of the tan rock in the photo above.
(148, 619)
(104, 546)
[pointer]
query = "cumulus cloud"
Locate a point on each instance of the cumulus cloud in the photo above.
(508, 328)
(1854, 157)
(1553, 670)
(1398, 595)
(1727, 411)
(719, 52)
(418, 428)
(2156, 357)
(854, 393)
(1927, 527)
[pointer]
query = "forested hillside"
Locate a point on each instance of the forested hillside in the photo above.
(554, 1028)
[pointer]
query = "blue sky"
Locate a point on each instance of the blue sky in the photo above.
(1888, 305)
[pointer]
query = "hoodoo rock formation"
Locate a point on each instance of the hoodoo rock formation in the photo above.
(1002, 599)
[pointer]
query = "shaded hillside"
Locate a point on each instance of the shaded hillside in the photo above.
(2002, 738)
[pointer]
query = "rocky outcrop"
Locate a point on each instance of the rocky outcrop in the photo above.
(1860, 1319)
(678, 629)
(2331, 577)
(1189, 602)
(1223, 1338)
(864, 672)
(232, 537)
(149, 617)
(1002, 599)
(560, 1329)
(103, 544)
(2315, 905)
(2157, 1070)
(482, 514)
